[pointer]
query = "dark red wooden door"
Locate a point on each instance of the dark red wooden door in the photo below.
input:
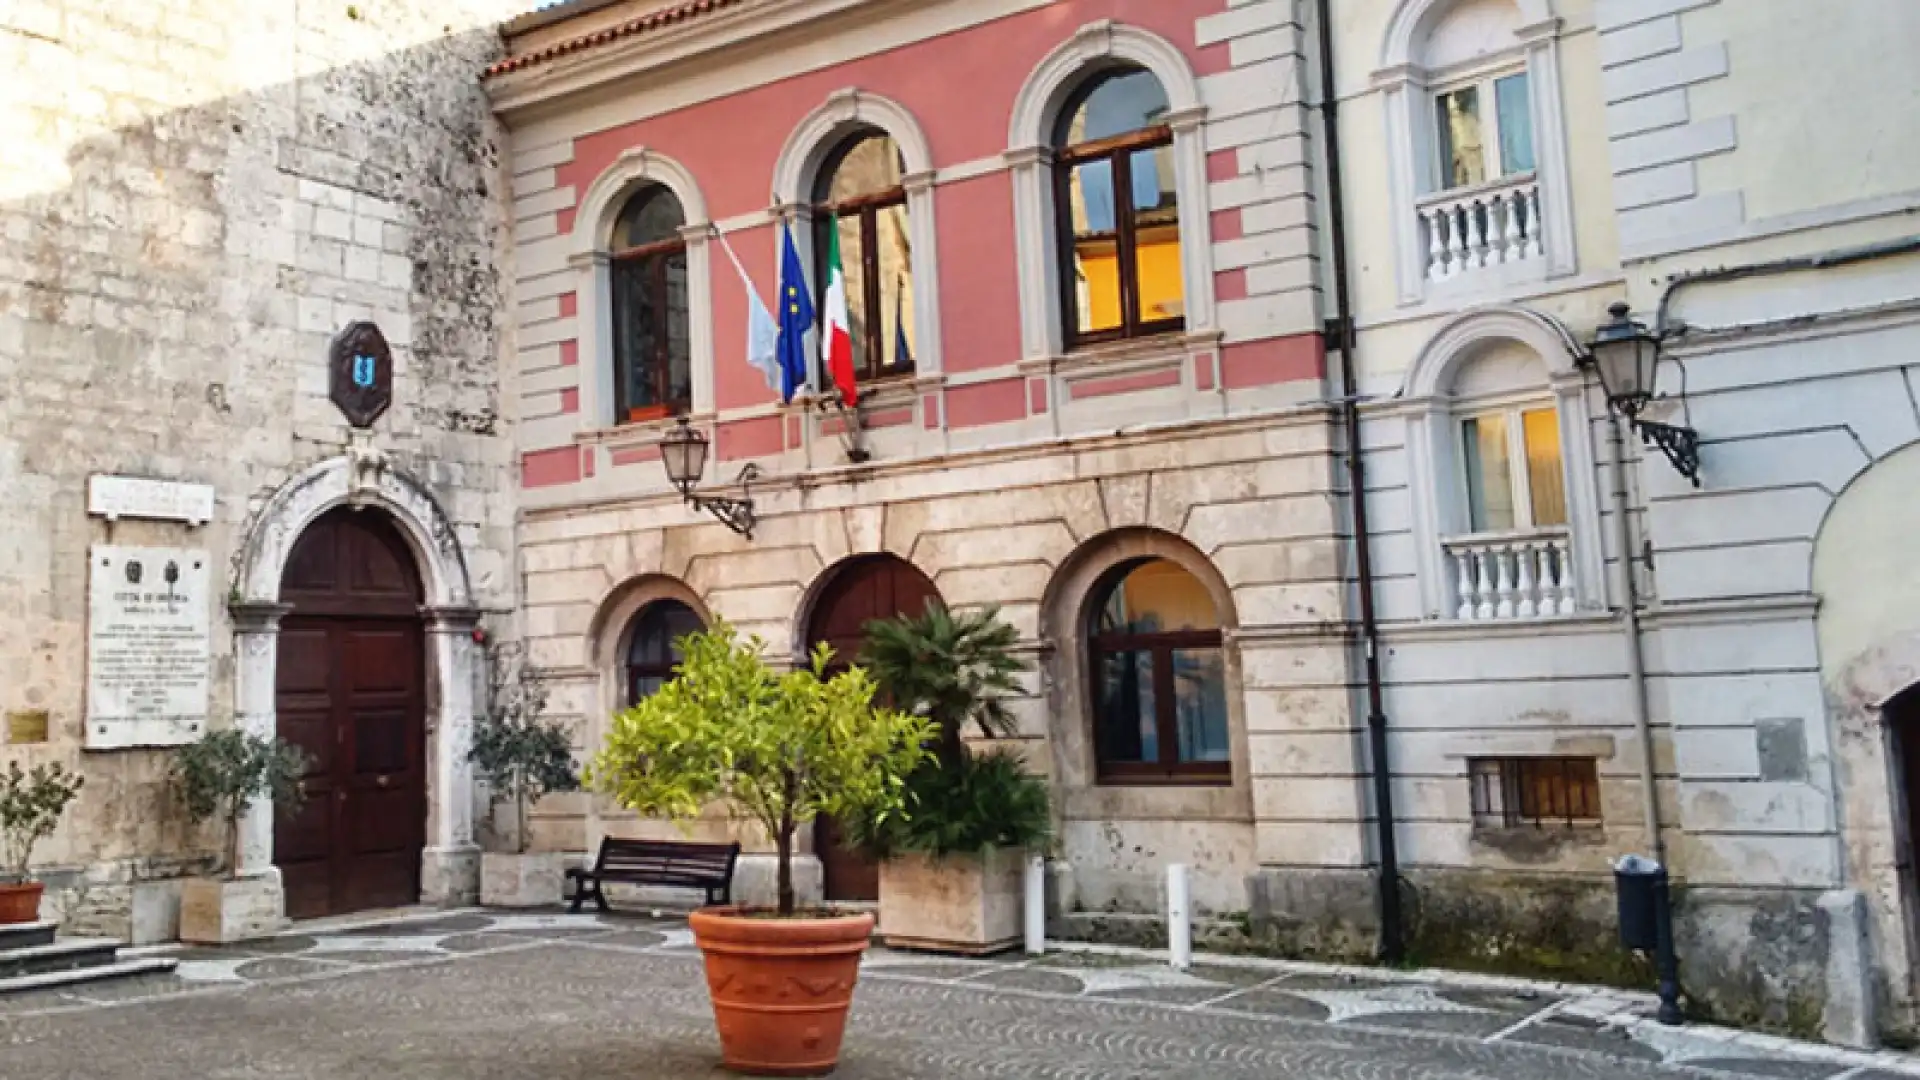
(874, 587)
(351, 693)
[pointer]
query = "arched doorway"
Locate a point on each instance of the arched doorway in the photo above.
(860, 591)
(350, 690)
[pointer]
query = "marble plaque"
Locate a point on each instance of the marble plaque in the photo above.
(114, 497)
(149, 646)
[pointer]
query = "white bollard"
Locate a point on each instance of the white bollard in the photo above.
(1179, 918)
(1036, 905)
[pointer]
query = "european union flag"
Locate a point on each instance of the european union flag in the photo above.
(796, 317)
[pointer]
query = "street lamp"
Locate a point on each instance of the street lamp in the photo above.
(684, 452)
(1626, 357)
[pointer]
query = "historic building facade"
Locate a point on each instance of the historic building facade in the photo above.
(197, 200)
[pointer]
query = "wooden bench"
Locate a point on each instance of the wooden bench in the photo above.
(657, 862)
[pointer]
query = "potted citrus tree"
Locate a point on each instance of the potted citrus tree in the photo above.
(215, 779)
(31, 802)
(780, 749)
(522, 758)
(952, 864)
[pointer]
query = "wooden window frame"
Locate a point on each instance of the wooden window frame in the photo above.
(1486, 90)
(635, 672)
(1519, 474)
(1169, 769)
(651, 260)
(1570, 786)
(867, 209)
(1118, 152)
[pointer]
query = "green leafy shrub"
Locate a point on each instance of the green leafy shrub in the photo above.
(781, 748)
(218, 776)
(958, 671)
(31, 802)
(521, 756)
(988, 801)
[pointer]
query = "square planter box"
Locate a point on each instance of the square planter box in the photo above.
(521, 881)
(969, 904)
(218, 912)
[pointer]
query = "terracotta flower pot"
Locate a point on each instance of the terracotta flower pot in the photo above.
(780, 987)
(20, 903)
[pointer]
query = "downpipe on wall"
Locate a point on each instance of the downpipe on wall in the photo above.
(1392, 944)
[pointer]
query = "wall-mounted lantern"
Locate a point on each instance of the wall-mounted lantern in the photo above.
(684, 452)
(1626, 357)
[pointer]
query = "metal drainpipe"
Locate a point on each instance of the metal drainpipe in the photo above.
(1636, 660)
(1392, 936)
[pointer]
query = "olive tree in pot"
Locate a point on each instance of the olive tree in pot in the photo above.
(780, 749)
(952, 866)
(522, 757)
(31, 802)
(215, 779)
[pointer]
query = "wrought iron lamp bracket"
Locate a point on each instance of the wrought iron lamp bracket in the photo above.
(736, 514)
(1681, 445)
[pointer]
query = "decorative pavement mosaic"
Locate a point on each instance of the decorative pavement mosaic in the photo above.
(479, 995)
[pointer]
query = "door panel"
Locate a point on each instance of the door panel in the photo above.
(351, 693)
(876, 587)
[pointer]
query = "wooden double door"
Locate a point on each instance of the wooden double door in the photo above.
(351, 692)
(870, 588)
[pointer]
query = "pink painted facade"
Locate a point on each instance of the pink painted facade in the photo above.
(961, 85)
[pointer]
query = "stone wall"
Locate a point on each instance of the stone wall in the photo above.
(197, 195)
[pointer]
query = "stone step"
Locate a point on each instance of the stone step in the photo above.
(66, 954)
(25, 935)
(119, 969)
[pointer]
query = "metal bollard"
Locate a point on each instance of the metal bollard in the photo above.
(1179, 918)
(1036, 905)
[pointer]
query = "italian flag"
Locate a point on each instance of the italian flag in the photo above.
(836, 336)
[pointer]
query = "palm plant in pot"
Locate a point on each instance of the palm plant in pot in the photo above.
(522, 757)
(31, 802)
(951, 875)
(215, 780)
(780, 749)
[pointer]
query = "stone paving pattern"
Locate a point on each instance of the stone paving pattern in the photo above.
(486, 996)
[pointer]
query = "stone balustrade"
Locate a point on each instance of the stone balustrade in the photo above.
(1471, 229)
(1513, 575)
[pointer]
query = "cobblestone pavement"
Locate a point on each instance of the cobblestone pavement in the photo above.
(482, 996)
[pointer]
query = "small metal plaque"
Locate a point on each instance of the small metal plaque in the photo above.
(361, 374)
(27, 728)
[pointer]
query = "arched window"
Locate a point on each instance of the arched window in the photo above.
(860, 195)
(1119, 210)
(1159, 677)
(652, 340)
(653, 646)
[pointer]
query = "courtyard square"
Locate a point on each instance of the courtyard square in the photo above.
(493, 996)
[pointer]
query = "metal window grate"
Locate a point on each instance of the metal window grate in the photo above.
(1541, 793)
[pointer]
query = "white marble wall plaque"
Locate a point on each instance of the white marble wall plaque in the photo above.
(149, 646)
(160, 500)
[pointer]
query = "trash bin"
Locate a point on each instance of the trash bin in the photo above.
(1637, 881)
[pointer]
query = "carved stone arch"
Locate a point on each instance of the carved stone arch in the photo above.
(605, 644)
(844, 112)
(1413, 20)
(360, 479)
(599, 209)
(806, 151)
(1103, 45)
(1454, 343)
(1098, 44)
(597, 213)
(365, 478)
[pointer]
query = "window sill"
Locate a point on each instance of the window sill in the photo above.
(1174, 345)
(638, 433)
(1211, 780)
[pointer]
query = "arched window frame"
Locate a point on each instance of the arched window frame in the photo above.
(1408, 92)
(1436, 465)
(864, 208)
(1030, 157)
(630, 672)
(810, 149)
(598, 215)
(651, 258)
(1161, 646)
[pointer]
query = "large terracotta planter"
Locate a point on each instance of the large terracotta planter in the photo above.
(20, 903)
(780, 987)
(969, 904)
